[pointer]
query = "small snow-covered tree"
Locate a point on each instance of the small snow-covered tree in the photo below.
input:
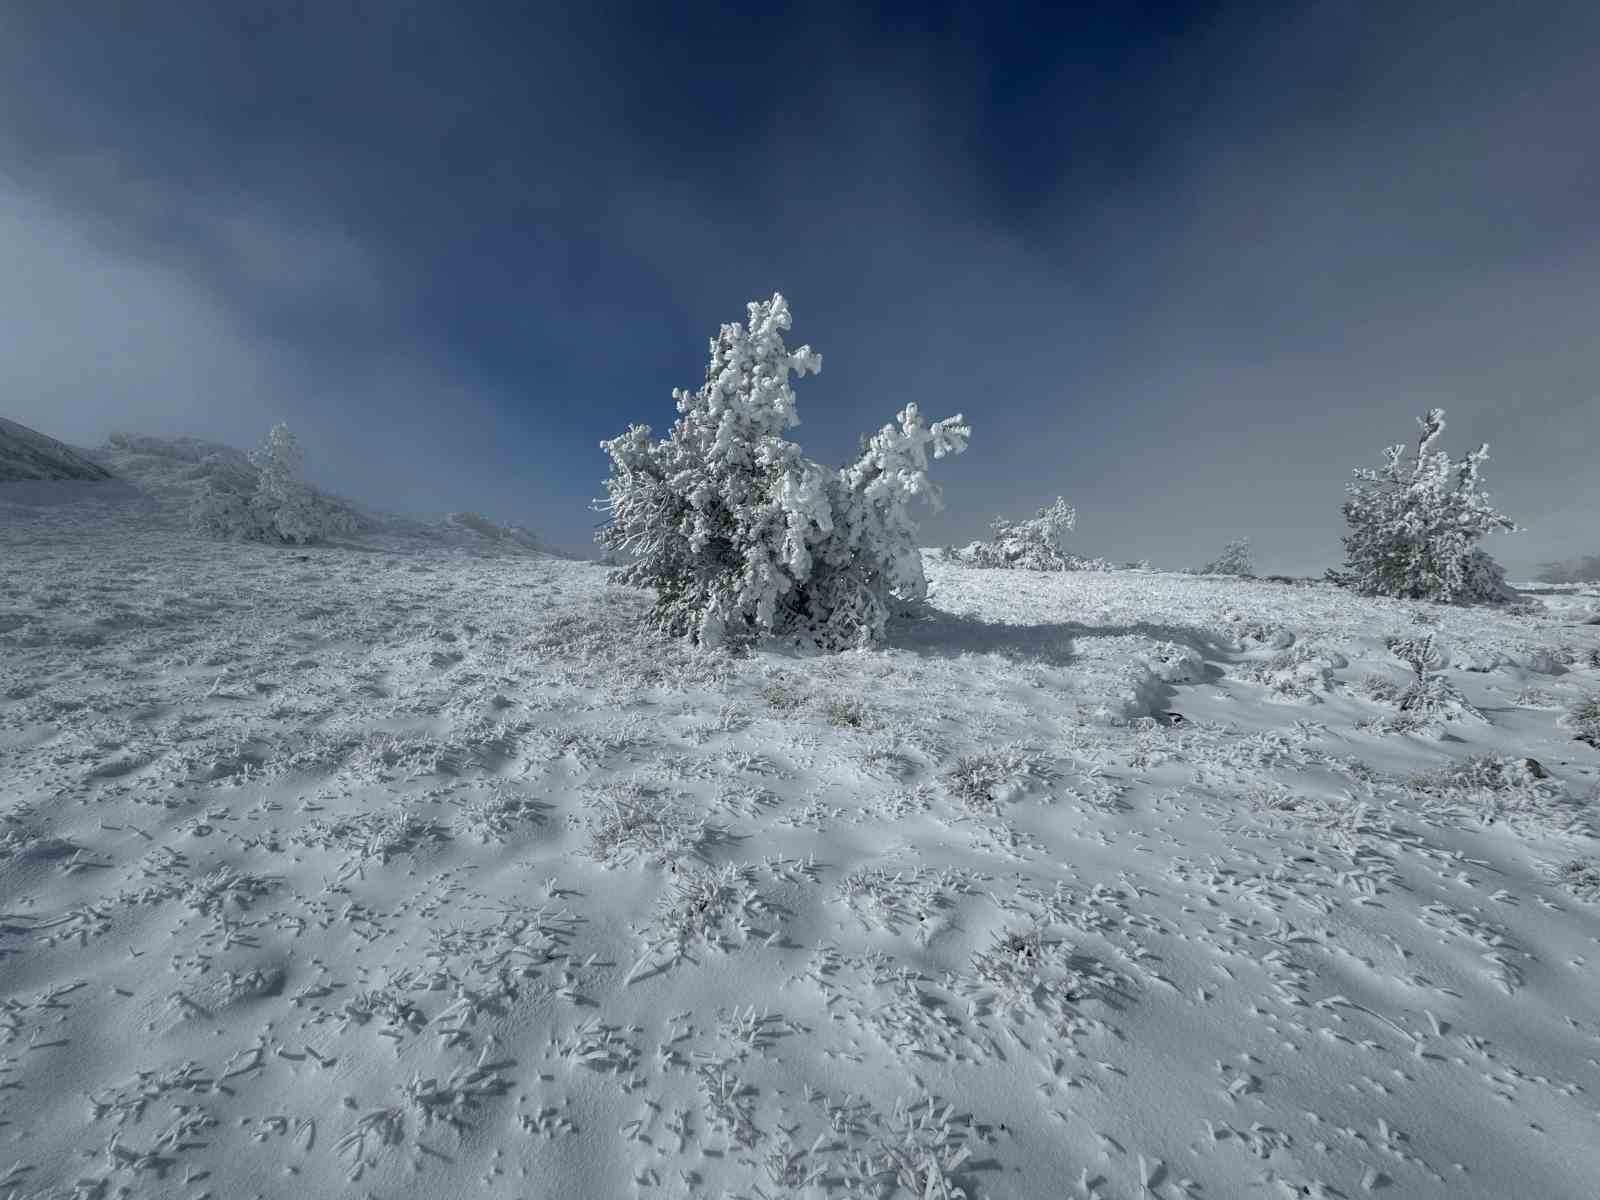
(739, 534)
(282, 501)
(1036, 544)
(1032, 545)
(1234, 560)
(1414, 526)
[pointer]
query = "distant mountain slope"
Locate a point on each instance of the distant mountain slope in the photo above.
(26, 454)
(171, 470)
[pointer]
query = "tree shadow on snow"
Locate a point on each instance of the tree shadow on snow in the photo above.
(935, 633)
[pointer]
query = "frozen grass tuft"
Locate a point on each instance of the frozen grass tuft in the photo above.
(224, 886)
(783, 692)
(612, 645)
(1299, 673)
(1434, 696)
(371, 836)
(1534, 697)
(714, 909)
(635, 822)
(1340, 820)
(1023, 973)
(926, 1149)
(1494, 772)
(846, 712)
(1500, 789)
(494, 817)
(730, 718)
(1384, 689)
(1581, 877)
(888, 899)
(1583, 719)
(985, 781)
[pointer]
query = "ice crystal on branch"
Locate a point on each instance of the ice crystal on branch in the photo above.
(739, 534)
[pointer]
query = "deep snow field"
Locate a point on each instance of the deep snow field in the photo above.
(410, 869)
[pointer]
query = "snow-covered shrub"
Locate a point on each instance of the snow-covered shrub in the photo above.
(1582, 878)
(740, 535)
(220, 509)
(1414, 526)
(1234, 560)
(1583, 719)
(1381, 688)
(1422, 654)
(1297, 673)
(1031, 545)
(1429, 694)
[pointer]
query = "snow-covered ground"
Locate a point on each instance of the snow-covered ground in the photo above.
(409, 868)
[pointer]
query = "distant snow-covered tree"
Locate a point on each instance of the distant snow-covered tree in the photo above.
(1577, 570)
(279, 507)
(1036, 544)
(282, 500)
(1414, 525)
(1234, 560)
(1032, 545)
(739, 534)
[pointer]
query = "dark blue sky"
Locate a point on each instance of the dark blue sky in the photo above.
(1184, 264)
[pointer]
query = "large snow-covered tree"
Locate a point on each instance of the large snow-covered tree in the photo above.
(739, 534)
(1415, 523)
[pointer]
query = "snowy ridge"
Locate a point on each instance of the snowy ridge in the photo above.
(168, 472)
(405, 872)
(26, 454)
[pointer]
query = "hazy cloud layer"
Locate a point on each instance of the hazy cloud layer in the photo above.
(1185, 270)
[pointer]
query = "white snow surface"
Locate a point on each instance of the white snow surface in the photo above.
(404, 868)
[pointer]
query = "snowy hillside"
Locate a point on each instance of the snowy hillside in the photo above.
(169, 471)
(387, 870)
(26, 454)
